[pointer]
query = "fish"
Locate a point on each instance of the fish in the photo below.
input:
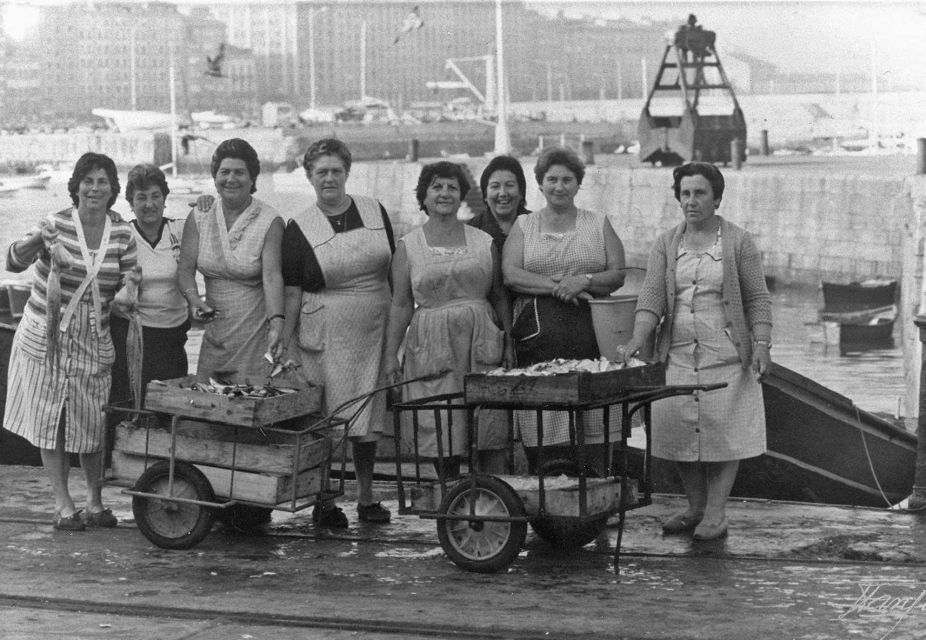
(134, 342)
(60, 260)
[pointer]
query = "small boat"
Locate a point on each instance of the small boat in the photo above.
(867, 327)
(820, 448)
(856, 296)
(10, 184)
(865, 311)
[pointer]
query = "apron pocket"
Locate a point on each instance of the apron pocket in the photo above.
(30, 337)
(312, 325)
(489, 347)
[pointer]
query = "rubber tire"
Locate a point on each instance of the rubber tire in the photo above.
(168, 524)
(464, 541)
(561, 532)
(244, 517)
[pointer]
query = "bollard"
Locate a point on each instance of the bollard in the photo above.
(413, 146)
(920, 156)
(918, 498)
(764, 143)
(588, 152)
(736, 153)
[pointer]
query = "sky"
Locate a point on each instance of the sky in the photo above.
(825, 36)
(812, 36)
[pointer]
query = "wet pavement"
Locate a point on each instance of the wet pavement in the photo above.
(786, 571)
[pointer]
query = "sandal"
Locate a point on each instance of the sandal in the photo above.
(72, 522)
(103, 519)
(680, 523)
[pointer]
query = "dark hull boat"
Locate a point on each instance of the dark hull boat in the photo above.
(865, 328)
(821, 448)
(858, 296)
(865, 312)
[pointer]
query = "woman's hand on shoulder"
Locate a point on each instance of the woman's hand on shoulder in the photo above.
(203, 202)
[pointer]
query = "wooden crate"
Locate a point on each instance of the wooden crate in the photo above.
(576, 388)
(266, 489)
(561, 497)
(176, 398)
(222, 446)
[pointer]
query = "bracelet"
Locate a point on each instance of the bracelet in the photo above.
(275, 316)
(763, 343)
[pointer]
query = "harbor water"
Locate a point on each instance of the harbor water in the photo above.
(872, 379)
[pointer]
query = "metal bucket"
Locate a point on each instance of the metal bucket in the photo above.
(612, 318)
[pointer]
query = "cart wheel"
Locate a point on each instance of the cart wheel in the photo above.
(566, 533)
(243, 517)
(482, 546)
(167, 523)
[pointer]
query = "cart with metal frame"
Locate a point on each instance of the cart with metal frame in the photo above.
(482, 518)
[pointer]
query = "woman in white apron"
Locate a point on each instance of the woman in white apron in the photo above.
(235, 245)
(59, 377)
(336, 260)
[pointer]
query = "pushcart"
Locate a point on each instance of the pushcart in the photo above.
(190, 457)
(482, 518)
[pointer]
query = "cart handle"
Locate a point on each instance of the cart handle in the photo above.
(344, 405)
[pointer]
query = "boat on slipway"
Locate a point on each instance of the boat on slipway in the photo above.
(820, 448)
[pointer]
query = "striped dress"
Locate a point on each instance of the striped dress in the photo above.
(35, 397)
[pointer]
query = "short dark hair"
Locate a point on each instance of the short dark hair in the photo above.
(87, 163)
(558, 155)
(326, 147)
(442, 169)
(504, 163)
(706, 169)
(144, 176)
(240, 150)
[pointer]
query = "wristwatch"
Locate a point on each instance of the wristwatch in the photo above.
(588, 277)
(765, 343)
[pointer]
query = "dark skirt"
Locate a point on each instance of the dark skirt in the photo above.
(548, 328)
(164, 356)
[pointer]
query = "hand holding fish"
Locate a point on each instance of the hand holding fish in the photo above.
(49, 233)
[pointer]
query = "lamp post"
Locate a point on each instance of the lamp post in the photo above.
(502, 135)
(312, 14)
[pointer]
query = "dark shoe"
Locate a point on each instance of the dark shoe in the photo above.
(706, 531)
(680, 523)
(375, 512)
(333, 518)
(72, 522)
(104, 519)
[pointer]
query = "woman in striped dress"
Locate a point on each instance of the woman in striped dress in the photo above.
(57, 405)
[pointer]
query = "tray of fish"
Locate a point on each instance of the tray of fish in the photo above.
(235, 404)
(561, 382)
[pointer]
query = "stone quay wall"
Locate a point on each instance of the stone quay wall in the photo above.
(808, 227)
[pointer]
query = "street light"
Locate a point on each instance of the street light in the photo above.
(312, 14)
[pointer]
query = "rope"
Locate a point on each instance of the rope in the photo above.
(871, 466)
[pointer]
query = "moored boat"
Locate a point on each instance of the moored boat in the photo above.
(867, 327)
(10, 184)
(856, 296)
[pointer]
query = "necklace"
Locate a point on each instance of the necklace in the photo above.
(339, 220)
